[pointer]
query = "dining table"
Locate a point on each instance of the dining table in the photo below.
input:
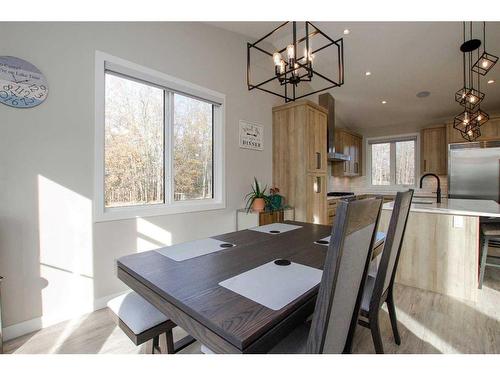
(188, 288)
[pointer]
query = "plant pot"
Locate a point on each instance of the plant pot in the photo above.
(275, 201)
(258, 204)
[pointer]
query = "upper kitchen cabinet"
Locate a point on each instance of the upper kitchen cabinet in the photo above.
(351, 144)
(300, 158)
(490, 131)
(433, 150)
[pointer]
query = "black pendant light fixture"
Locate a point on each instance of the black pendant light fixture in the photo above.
(294, 60)
(486, 61)
(470, 97)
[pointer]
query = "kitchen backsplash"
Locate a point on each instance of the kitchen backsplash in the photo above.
(361, 185)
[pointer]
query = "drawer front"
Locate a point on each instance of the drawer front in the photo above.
(331, 214)
(332, 203)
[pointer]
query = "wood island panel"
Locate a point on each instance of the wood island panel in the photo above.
(439, 254)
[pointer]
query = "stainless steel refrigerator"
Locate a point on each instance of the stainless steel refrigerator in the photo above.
(474, 170)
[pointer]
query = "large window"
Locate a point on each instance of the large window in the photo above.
(392, 161)
(159, 143)
(134, 143)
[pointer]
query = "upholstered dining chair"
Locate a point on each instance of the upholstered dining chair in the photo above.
(380, 289)
(344, 273)
(144, 323)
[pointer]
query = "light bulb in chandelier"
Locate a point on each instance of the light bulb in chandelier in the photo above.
(290, 52)
(282, 67)
(277, 58)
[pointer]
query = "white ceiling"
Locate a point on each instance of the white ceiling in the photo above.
(404, 58)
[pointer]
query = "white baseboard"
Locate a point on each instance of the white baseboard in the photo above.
(28, 326)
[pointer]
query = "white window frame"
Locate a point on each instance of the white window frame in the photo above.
(393, 138)
(103, 62)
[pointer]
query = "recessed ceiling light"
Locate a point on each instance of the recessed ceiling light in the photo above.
(423, 94)
(384, 101)
(368, 73)
(491, 81)
(346, 31)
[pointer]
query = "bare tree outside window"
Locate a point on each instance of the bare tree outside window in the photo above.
(381, 167)
(134, 171)
(405, 162)
(393, 162)
(193, 166)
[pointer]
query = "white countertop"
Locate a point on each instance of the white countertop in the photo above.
(463, 207)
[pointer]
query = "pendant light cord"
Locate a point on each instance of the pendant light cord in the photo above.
(484, 36)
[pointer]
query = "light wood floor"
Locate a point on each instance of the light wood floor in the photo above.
(428, 323)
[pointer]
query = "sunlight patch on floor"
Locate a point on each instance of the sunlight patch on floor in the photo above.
(423, 333)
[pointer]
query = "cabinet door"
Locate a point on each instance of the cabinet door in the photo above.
(316, 198)
(316, 141)
(359, 156)
(434, 150)
(489, 131)
(356, 156)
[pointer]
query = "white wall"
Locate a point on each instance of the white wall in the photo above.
(56, 261)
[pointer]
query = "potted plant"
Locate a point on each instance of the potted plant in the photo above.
(256, 199)
(275, 201)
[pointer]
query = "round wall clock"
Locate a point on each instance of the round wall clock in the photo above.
(22, 85)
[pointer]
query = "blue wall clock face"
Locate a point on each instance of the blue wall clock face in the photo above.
(22, 85)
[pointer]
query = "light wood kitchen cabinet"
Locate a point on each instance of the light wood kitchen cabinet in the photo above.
(316, 204)
(316, 136)
(433, 150)
(300, 158)
(332, 210)
(350, 144)
(490, 131)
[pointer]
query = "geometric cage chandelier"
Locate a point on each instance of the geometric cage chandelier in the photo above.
(284, 62)
(470, 97)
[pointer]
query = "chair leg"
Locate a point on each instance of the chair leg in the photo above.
(484, 255)
(170, 342)
(375, 330)
(392, 315)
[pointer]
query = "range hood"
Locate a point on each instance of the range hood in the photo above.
(327, 101)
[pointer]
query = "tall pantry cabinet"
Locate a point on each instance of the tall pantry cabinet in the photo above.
(300, 158)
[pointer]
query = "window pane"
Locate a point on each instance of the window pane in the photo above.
(381, 168)
(133, 143)
(405, 163)
(192, 148)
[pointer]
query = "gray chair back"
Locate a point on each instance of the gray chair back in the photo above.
(392, 246)
(344, 274)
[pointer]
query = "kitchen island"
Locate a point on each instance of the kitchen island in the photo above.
(441, 247)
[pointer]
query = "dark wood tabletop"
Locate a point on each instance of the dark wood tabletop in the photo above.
(188, 291)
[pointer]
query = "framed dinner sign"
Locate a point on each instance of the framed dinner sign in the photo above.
(22, 85)
(251, 136)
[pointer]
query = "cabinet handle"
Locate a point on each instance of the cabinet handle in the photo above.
(425, 165)
(318, 184)
(345, 166)
(318, 160)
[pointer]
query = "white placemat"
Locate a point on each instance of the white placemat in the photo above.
(276, 228)
(192, 249)
(378, 240)
(274, 286)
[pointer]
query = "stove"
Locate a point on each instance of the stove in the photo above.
(339, 194)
